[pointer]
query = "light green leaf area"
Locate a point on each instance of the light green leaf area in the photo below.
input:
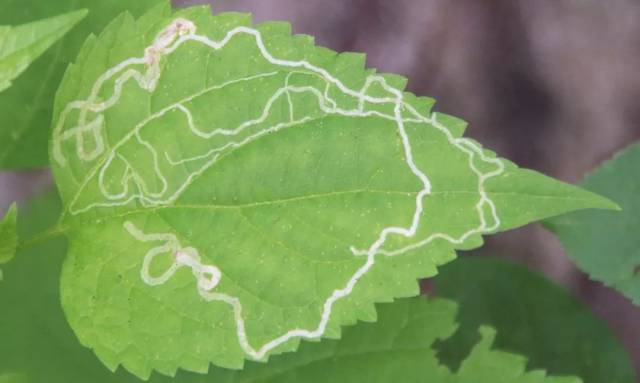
(533, 317)
(253, 190)
(38, 346)
(8, 236)
(21, 45)
(606, 245)
(26, 108)
(13, 378)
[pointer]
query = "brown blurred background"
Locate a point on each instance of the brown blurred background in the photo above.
(550, 84)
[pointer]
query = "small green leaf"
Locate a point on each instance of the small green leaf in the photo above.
(21, 45)
(485, 365)
(533, 317)
(27, 105)
(8, 235)
(606, 244)
(254, 190)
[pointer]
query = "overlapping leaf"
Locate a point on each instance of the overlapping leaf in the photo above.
(27, 106)
(39, 347)
(253, 190)
(21, 45)
(606, 245)
(533, 317)
(8, 236)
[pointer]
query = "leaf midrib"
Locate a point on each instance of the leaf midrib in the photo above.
(302, 198)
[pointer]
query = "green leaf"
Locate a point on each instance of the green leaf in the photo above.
(38, 345)
(486, 365)
(533, 317)
(606, 245)
(397, 348)
(254, 190)
(525, 196)
(21, 45)
(28, 103)
(8, 236)
(13, 378)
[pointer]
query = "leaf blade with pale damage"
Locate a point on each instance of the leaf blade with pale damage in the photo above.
(243, 184)
(28, 102)
(398, 346)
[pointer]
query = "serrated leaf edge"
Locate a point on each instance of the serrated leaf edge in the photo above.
(182, 30)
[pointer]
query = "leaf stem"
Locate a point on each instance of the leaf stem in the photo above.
(48, 234)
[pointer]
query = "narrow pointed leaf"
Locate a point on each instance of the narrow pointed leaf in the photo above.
(8, 235)
(21, 45)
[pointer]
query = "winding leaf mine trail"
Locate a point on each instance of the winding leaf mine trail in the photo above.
(179, 32)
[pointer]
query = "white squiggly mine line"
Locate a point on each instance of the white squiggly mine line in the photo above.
(208, 276)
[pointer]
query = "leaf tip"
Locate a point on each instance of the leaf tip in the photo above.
(67, 21)
(78, 15)
(603, 203)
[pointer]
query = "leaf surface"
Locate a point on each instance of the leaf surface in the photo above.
(254, 190)
(13, 378)
(21, 45)
(8, 236)
(28, 105)
(533, 317)
(39, 347)
(606, 245)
